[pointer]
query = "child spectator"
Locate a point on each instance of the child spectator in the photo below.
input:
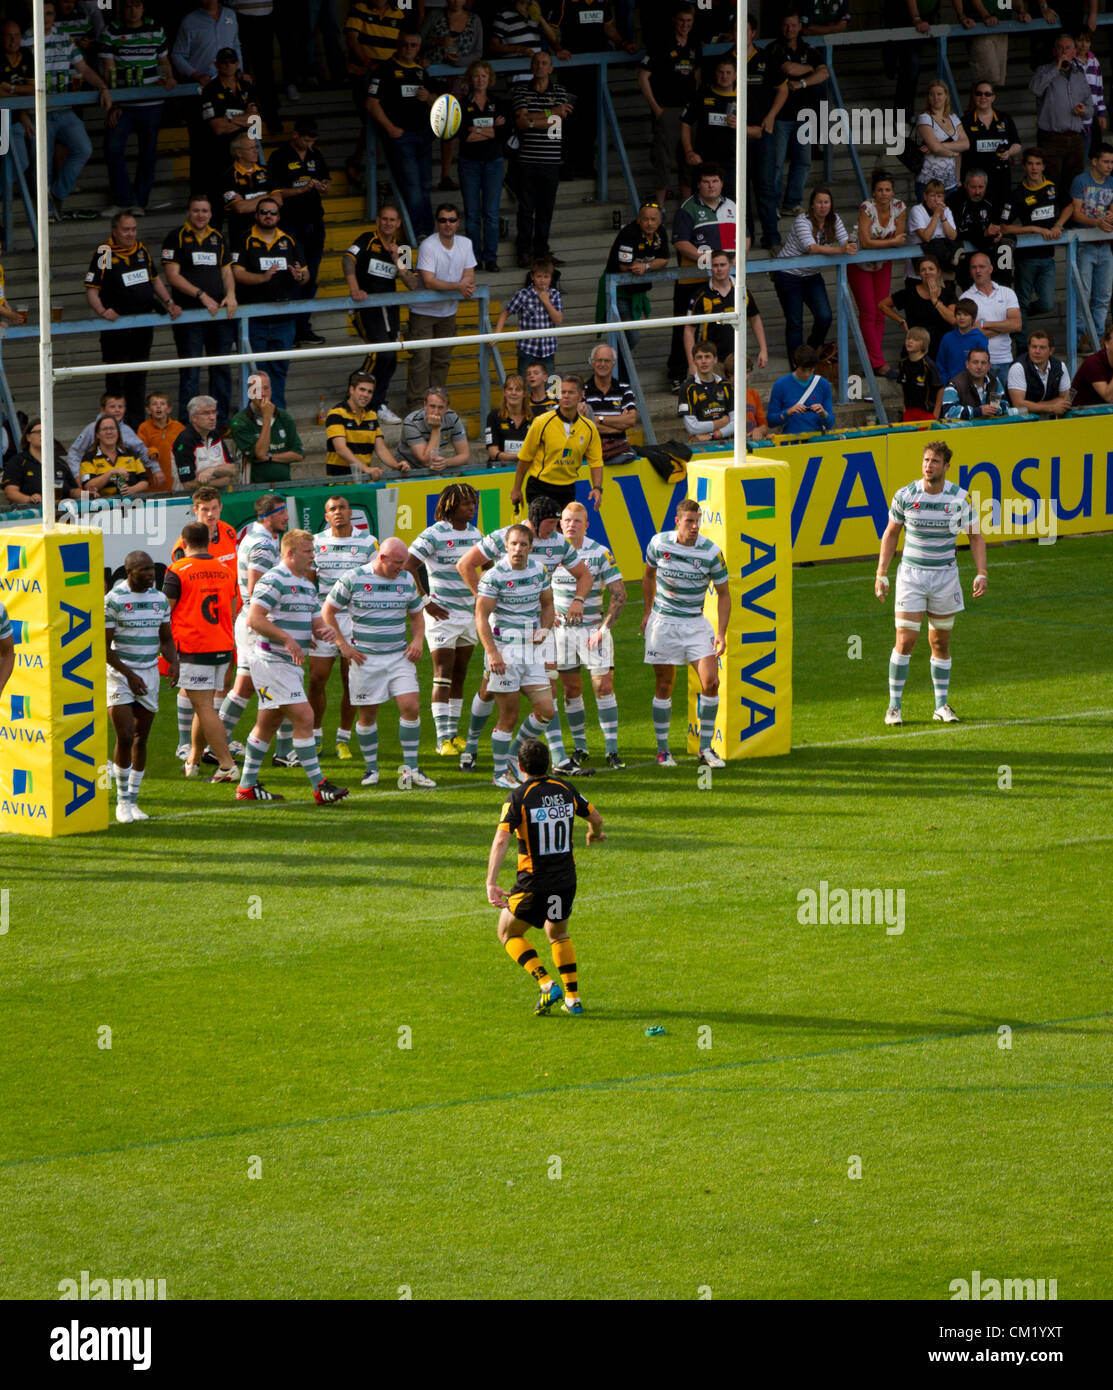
(801, 402)
(919, 378)
(706, 400)
(537, 305)
(951, 357)
(158, 433)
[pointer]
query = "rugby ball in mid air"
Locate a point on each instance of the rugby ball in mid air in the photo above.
(444, 116)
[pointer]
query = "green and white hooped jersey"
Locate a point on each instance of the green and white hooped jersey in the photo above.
(931, 523)
(291, 603)
(5, 624)
(600, 562)
(136, 618)
(684, 573)
(517, 595)
(438, 548)
(335, 556)
(258, 550)
(377, 607)
(552, 551)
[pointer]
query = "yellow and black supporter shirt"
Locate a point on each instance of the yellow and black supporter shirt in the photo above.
(536, 408)
(375, 270)
(708, 114)
(17, 72)
(250, 184)
(218, 101)
(710, 301)
(358, 429)
(287, 169)
(673, 69)
(257, 254)
(201, 257)
(395, 84)
(707, 400)
(95, 465)
(582, 25)
(125, 279)
(376, 35)
(1032, 207)
(540, 813)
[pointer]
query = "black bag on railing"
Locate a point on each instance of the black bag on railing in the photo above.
(665, 458)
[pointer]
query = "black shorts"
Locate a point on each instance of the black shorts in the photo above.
(541, 905)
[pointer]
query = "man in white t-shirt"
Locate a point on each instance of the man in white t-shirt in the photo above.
(998, 315)
(445, 261)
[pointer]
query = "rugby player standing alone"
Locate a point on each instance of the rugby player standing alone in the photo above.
(540, 812)
(679, 565)
(932, 512)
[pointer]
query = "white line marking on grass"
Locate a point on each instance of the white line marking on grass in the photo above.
(931, 729)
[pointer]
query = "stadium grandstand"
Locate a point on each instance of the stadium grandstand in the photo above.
(312, 100)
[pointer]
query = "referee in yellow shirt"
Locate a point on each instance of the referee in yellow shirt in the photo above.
(555, 449)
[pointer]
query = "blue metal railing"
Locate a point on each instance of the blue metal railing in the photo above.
(609, 127)
(12, 174)
(245, 313)
(846, 311)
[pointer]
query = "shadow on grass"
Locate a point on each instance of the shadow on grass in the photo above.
(851, 1027)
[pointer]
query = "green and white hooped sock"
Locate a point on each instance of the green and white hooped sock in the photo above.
(898, 674)
(941, 680)
(368, 740)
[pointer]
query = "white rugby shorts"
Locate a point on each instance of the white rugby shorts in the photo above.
(572, 650)
(677, 641)
(525, 669)
(193, 676)
(457, 630)
(382, 678)
(277, 682)
(921, 589)
(119, 692)
(319, 648)
(245, 641)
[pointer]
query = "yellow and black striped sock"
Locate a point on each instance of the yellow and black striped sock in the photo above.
(521, 951)
(564, 958)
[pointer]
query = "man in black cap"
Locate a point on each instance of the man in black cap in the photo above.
(228, 105)
(299, 172)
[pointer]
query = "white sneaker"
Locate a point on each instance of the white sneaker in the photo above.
(191, 769)
(183, 752)
(946, 715)
(893, 715)
(236, 748)
(665, 759)
(370, 779)
(136, 813)
(387, 416)
(416, 778)
(505, 782)
(124, 812)
(710, 759)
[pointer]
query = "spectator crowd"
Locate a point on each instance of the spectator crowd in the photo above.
(252, 230)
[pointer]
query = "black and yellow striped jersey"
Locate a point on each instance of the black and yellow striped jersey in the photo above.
(540, 812)
(359, 429)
